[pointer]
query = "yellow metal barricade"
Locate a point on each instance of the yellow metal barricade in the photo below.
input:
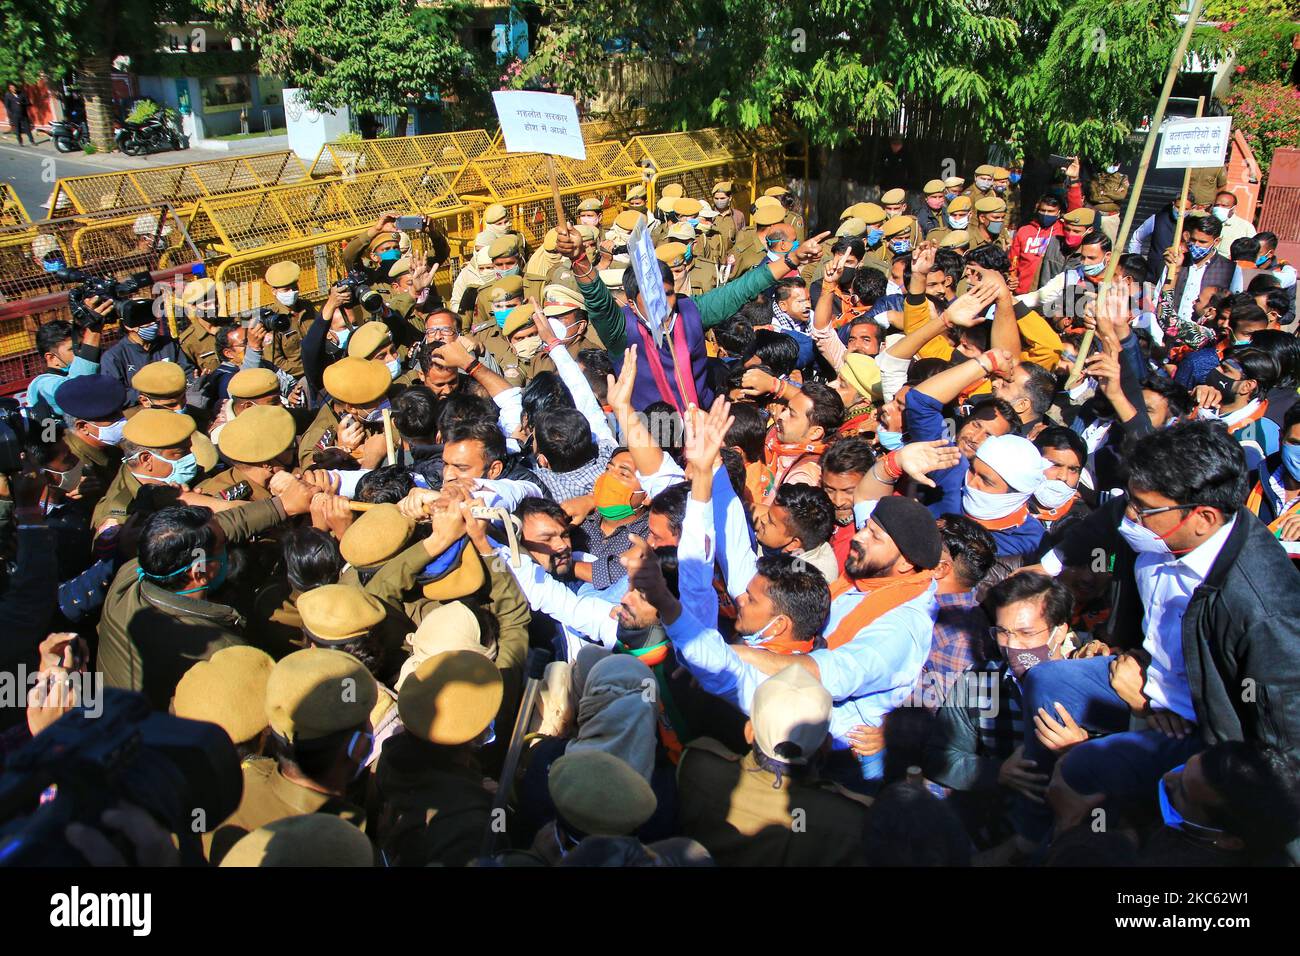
(448, 151)
(12, 211)
(698, 158)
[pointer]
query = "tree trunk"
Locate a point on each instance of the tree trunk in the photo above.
(831, 193)
(368, 123)
(97, 89)
(403, 119)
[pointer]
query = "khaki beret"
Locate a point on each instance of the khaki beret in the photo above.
(671, 253)
(1001, 172)
(775, 191)
(253, 383)
(160, 380)
(612, 278)
(868, 212)
(558, 299)
(954, 182)
(383, 237)
(1081, 217)
(339, 612)
(369, 339)
(591, 205)
(503, 246)
(310, 839)
(451, 698)
(158, 428)
(495, 213)
(769, 215)
(666, 204)
(897, 226)
(282, 273)
(519, 317)
(316, 692)
(205, 453)
(357, 381)
(769, 201)
(985, 170)
(447, 627)
(960, 204)
(588, 233)
(198, 289)
(598, 794)
(229, 690)
(725, 186)
(636, 192)
(505, 287)
(687, 207)
(551, 240)
(673, 191)
(853, 226)
(932, 187)
(379, 534)
(791, 713)
(462, 580)
(399, 268)
(681, 231)
(954, 239)
(991, 204)
(628, 219)
(257, 435)
(892, 197)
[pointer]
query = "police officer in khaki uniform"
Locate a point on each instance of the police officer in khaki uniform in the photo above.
(357, 389)
(894, 202)
(507, 264)
(1003, 187)
(989, 224)
(259, 444)
(700, 274)
(542, 263)
(730, 219)
(500, 298)
(318, 706)
(929, 214)
(788, 201)
(636, 198)
(229, 690)
(285, 351)
(664, 217)
(873, 219)
(94, 404)
(374, 341)
(981, 186)
(771, 806)
(956, 218)
(715, 248)
(199, 339)
(311, 840)
(1107, 193)
(563, 305)
(895, 233)
(595, 794)
(156, 449)
(345, 617)
(1205, 184)
(752, 244)
(958, 240)
(160, 385)
(517, 351)
(590, 212)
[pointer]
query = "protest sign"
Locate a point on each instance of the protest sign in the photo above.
(540, 123)
(641, 250)
(1196, 143)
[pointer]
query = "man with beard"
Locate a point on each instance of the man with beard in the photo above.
(843, 466)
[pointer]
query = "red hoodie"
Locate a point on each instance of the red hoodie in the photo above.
(1030, 242)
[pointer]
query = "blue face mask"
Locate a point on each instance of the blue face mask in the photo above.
(759, 636)
(500, 315)
(1046, 220)
(890, 441)
(344, 335)
(1175, 820)
(1260, 260)
(694, 222)
(900, 246)
(184, 470)
(51, 265)
(1015, 178)
(995, 228)
(874, 236)
(390, 255)
(223, 567)
(376, 414)
(394, 368)
(1198, 253)
(148, 332)
(1094, 269)
(689, 254)
(1291, 459)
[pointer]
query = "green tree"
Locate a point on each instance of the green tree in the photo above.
(373, 56)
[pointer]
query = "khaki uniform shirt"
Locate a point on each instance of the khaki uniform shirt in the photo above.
(1107, 192)
(201, 346)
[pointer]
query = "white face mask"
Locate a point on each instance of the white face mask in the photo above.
(1053, 493)
(987, 506)
(67, 479)
(760, 636)
(1141, 538)
(286, 297)
(959, 222)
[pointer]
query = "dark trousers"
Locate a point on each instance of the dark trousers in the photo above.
(23, 125)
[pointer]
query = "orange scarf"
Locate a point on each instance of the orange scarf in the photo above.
(1055, 514)
(879, 598)
(848, 311)
(787, 645)
(854, 426)
(1013, 520)
(759, 480)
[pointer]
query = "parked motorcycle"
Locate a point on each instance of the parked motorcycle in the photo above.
(154, 135)
(69, 136)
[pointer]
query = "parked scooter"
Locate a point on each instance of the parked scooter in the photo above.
(69, 136)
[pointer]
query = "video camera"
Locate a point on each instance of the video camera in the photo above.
(358, 283)
(185, 773)
(117, 290)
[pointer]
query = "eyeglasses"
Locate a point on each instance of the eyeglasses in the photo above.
(440, 333)
(1141, 514)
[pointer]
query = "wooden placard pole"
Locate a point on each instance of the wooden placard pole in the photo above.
(555, 191)
(1121, 237)
(390, 440)
(1187, 185)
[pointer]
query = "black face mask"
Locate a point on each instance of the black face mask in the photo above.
(1225, 386)
(635, 638)
(847, 276)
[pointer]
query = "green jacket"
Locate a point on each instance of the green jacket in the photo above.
(714, 307)
(149, 637)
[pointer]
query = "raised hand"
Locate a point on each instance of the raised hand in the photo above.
(923, 258)
(542, 323)
(619, 392)
(919, 458)
(968, 309)
(706, 433)
(811, 250)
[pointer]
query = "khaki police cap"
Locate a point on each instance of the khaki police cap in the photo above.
(253, 383)
(198, 289)
(991, 204)
(257, 435)
(399, 268)
(282, 273)
(339, 612)
(551, 240)
(893, 197)
(519, 317)
(725, 186)
(671, 253)
(505, 287)
(707, 211)
(636, 192)
(612, 278)
(770, 202)
(628, 220)
(451, 698)
(316, 692)
(160, 380)
(673, 191)
(158, 428)
(868, 212)
(379, 534)
(681, 231)
(985, 170)
(464, 578)
(229, 690)
(960, 204)
(205, 453)
(383, 237)
(775, 191)
(955, 239)
(369, 339)
(666, 204)
(791, 714)
(588, 233)
(357, 381)
(853, 227)
(599, 794)
(687, 207)
(503, 246)
(560, 299)
(495, 213)
(311, 839)
(769, 215)
(590, 205)
(1081, 217)
(897, 226)
(932, 187)
(1001, 172)
(954, 182)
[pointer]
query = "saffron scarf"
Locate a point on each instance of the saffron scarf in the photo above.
(1013, 520)
(880, 596)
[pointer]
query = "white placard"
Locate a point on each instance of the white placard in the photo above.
(645, 265)
(540, 123)
(1199, 142)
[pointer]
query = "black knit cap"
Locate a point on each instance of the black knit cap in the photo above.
(913, 529)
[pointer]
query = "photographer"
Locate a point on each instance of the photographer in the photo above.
(54, 343)
(287, 344)
(146, 340)
(240, 347)
(327, 340)
(30, 589)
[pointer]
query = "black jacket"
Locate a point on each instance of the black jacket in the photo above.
(1241, 631)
